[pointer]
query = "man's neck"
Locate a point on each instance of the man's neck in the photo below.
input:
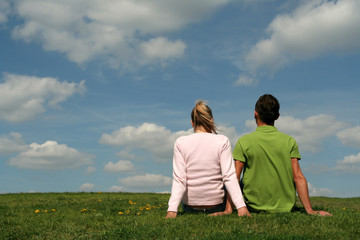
(260, 123)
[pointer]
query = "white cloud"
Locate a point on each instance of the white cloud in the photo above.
(245, 80)
(115, 189)
(51, 156)
(23, 97)
(350, 136)
(120, 166)
(230, 132)
(314, 29)
(149, 137)
(12, 144)
(350, 164)
(4, 10)
(90, 170)
(157, 140)
(125, 155)
(308, 132)
(115, 30)
(313, 192)
(161, 49)
(145, 182)
(87, 187)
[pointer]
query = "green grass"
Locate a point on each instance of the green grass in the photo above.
(96, 216)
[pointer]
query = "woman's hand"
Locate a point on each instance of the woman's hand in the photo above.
(171, 214)
(243, 212)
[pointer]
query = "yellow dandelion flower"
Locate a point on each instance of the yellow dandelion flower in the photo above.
(130, 202)
(45, 210)
(54, 210)
(121, 213)
(344, 208)
(37, 211)
(138, 213)
(160, 205)
(84, 210)
(99, 200)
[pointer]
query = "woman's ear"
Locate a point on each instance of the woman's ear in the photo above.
(192, 124)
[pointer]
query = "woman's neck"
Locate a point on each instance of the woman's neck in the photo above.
(200, 129)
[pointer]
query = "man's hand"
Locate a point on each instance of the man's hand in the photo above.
(320, 213)
(243, 212)
(171, 214)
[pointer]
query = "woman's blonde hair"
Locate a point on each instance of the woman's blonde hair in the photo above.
(201, 115)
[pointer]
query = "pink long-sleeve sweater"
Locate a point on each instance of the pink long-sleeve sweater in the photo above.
(202, 164)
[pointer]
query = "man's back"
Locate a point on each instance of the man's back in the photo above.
(268, 183)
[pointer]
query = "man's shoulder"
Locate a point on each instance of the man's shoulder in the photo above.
(247, 136)
(285, 135)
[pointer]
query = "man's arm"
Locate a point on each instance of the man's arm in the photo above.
(302, 189)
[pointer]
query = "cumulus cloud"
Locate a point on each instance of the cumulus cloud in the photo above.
(90, 170)
(23, 97)
(125, 155)
(308, 132)
(119, 31)
(149, 137)
(313, 192)
(115, 189)
(245, 80)
(350, 164)
(350, 136)
(4, 10)
(12, 143)
(51, 156)
(315, 28)
(120, 166)
(87, 187)
(145, 182)
(161, 49)
(230, 132)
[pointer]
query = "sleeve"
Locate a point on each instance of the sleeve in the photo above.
(238, 153)
(179, 179)
(229, 175)
(294, 151)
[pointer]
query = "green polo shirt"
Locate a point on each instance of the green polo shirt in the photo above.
(268, 183)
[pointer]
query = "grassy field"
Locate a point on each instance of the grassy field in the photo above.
(142, 216)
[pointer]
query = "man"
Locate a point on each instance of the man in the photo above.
(269, 159)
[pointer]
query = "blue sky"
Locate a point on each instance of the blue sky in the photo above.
(95, 93)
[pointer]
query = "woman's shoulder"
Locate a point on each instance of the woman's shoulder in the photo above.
(202, 136)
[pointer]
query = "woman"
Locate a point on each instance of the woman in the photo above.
(202, 165)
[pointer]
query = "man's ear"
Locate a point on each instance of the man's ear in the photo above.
(256, 115)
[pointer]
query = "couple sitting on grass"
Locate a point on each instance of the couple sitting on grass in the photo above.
(206, 179)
